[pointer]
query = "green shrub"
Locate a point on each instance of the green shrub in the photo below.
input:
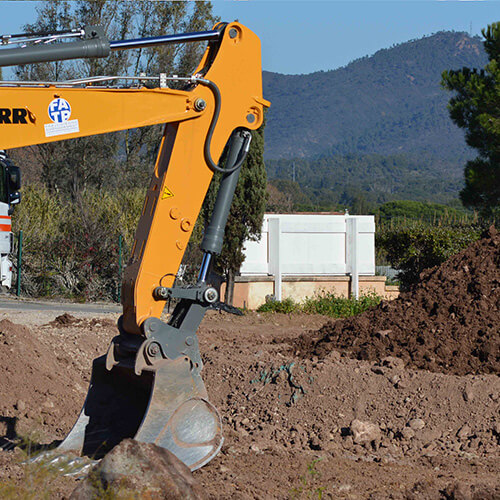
(286, 306)
(414, 246)
(70, 247)
(326, 303)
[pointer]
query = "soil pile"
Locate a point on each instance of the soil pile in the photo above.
(41, 376)
(448, 323)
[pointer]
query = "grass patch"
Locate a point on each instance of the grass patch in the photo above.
(308, 487)
(325, 303)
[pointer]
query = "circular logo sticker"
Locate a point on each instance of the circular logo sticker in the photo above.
(59, 110)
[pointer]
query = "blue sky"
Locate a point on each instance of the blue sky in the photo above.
(305, 36)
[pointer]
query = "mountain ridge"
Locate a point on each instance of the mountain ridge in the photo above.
(387, 103)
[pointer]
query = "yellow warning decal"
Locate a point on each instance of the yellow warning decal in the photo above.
(167, 194)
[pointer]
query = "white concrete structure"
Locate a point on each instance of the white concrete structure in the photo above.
(312, 245)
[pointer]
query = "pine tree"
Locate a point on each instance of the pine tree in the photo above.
(476, 108)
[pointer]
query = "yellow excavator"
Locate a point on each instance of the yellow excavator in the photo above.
(148, 386)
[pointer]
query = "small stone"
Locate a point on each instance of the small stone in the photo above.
(401, 384)
(348, 442)
(468, 393)
(393, 362)
(334, 355)
(20, 405)
(315, 443)
(254, 447)
(427, 436)
(464, 432)
(344, 487)
(408, 433)
(416, 424)
(394, 379)
(364, 432)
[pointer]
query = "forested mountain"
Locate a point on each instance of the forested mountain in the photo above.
(340, 179)
(388, 103)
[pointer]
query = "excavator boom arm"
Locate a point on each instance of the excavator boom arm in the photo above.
(148, 385)
(230, 72)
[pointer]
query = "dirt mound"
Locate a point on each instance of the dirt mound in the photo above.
(448, 323)
(65, 320)
(42, 374)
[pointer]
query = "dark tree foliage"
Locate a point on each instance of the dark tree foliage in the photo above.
(476, 108)
(121, 159)
(247, 211)
(360, 181)
(433, 213)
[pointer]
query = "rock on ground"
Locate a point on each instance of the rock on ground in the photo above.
(139, 470)
(365, 432)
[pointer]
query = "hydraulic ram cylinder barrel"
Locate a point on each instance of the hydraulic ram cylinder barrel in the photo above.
(95, 47)
(55, 52)
(214, 233)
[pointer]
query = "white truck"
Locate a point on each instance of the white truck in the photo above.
(10, 183)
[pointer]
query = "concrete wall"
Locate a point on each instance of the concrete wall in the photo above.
(251, 291)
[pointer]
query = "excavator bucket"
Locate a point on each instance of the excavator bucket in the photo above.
(166, 406)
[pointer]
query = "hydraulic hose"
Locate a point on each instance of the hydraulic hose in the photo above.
(208, 157)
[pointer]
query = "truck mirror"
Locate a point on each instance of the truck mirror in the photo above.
(14, 179)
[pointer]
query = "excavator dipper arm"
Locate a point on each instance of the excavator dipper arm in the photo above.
(149, 386)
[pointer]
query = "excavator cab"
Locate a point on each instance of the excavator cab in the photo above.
(148, 386)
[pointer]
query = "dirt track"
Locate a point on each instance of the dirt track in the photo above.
(286, 425)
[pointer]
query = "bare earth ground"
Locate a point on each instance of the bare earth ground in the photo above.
(286, 417)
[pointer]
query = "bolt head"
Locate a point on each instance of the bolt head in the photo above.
(211, 295)
(200, 104)
(233, 33)
(153, 349)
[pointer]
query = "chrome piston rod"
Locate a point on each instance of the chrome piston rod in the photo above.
(140, 43)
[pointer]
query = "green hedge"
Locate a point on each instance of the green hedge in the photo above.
(325, 303)
(414, 246)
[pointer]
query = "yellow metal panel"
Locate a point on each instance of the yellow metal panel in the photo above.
(96, 111)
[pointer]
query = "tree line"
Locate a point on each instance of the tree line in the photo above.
(84, 193)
